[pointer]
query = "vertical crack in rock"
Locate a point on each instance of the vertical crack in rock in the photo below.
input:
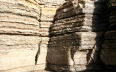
(38, 52)
(96, 50)
(39, 45)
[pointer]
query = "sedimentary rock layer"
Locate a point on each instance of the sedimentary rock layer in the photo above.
(70, 8)
(18, 17)
(19, 33)
(76, 31)
(79, 23)
(108, 47)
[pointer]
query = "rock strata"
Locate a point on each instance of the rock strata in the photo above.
(75, 35)
(58, 35)
(20, 37)
(108, 52)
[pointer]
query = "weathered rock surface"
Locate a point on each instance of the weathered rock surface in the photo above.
(108, 53)
(16, 17)
(75, 35)
(69, 33)
(20, 36)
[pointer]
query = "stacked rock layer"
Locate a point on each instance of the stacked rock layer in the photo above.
(19, 33)
(47, 11)
(108, 54)
(75, 35)
(69, 33)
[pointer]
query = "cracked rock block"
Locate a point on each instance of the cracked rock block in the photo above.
(79, 62)
(76, 30)
(17, 51)
(71, 49)
(47, 11)
(19, 33)
(42, 54)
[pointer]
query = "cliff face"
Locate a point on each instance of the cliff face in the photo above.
(75, 36)
(24, 32)
(19, 34)
(61, 35)
(108, 53)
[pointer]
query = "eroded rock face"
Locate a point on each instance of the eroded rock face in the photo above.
(24, 33)
(75, 36)
(19, 33)
(69, 33)
(108, 53)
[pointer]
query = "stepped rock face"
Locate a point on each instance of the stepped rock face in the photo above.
(47, 11)
(24, 34)
(75, 35)
(19, 32)
(108, 53)
(61, 35)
